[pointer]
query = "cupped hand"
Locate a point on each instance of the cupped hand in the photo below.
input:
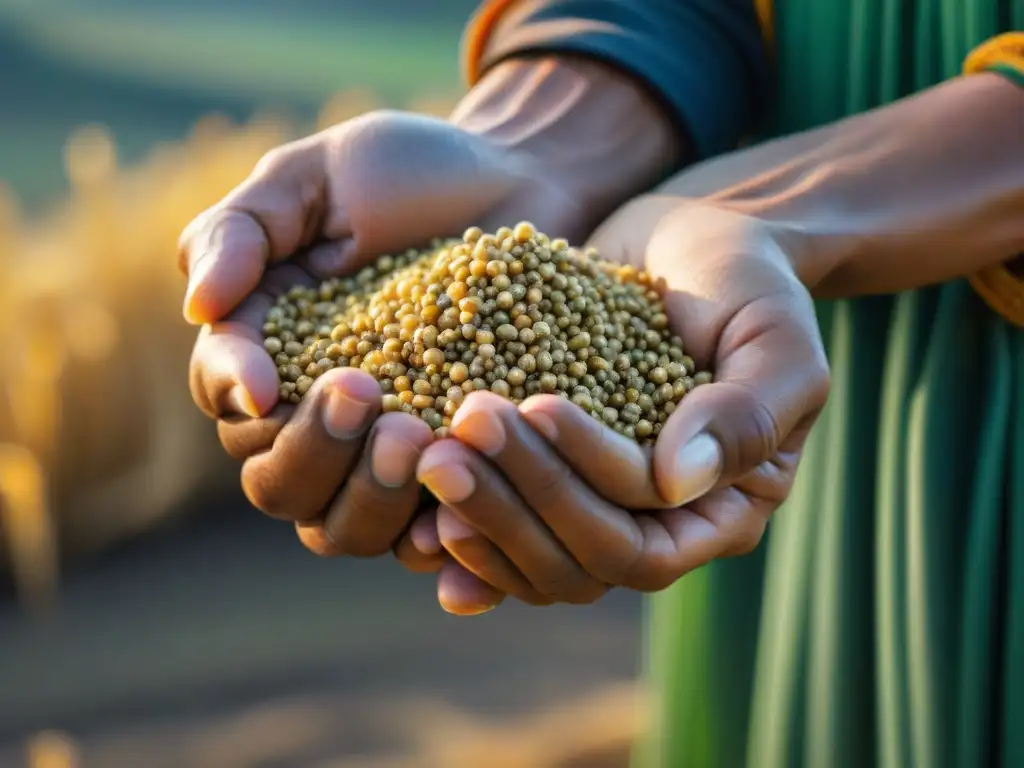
(545, 504)
(318, 207)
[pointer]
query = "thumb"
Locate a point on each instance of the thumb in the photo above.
(271, 215)
(624, 236)
(772, 382)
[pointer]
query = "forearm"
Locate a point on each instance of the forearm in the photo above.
(925, 190)
(609, 96)
(584, 124)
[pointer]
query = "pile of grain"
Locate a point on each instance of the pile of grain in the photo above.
(514, 312)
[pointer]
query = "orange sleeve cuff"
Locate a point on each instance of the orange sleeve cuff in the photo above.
(766, 18)
(478, 34)
(481, 27)
(999, 285)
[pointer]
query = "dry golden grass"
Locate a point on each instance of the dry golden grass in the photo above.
(98, 435)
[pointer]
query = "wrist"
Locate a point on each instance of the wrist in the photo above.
(577, 126)
(880, 202)
(701, 231)
(818, 243)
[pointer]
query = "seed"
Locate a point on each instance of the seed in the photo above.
(432, 417)
(524, 232)
(419, 402)
(516, 377)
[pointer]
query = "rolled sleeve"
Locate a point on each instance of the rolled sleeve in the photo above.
(705, 60)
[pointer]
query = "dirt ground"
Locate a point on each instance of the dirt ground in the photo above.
(220, 643)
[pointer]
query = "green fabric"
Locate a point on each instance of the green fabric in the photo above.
(1010, 73)
(882, 622)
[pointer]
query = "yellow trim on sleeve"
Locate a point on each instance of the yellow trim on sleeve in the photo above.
(1001, 289)
(1006, 49)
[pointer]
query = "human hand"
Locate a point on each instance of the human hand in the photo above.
(319, 207)
(544, 503)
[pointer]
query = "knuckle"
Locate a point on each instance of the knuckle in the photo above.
(268, 485)
(379, 130)
(234, 447)
(746, 535)
(316, 541)
(310, 194)
(650, 574)
(274, 161)
(264, 493)
(764, 431)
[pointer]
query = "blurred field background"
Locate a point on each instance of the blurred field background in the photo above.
(148, 617)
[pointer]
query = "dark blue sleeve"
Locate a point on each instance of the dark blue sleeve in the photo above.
(706, 60)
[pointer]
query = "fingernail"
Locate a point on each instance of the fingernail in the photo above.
(196, 277)
(543, 424)
(481, 429)
(451, 483)
(188, 308)
(240, 401)
(344, 417)
(697, 469)
(393, 459)
(463, 594)
(450, 527)
(465, 610)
